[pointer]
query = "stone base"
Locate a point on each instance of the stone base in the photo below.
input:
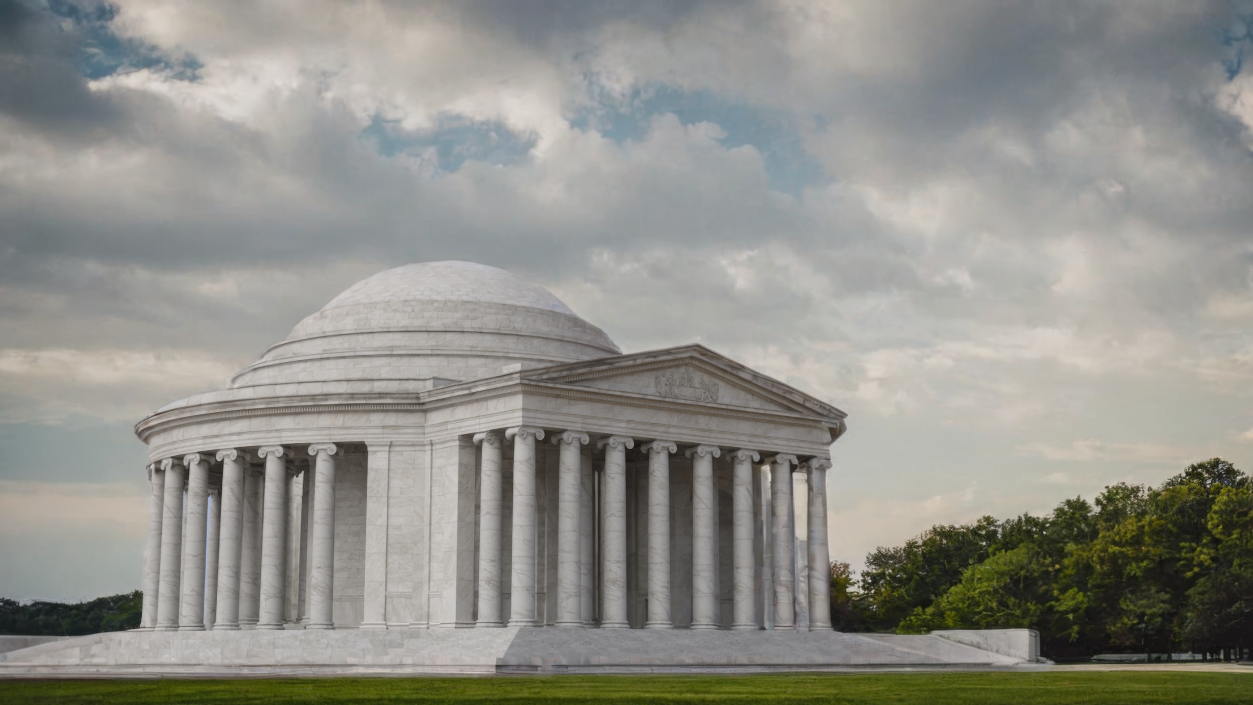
(506, 650)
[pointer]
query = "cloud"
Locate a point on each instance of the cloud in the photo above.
(972, 227)
(108, 384)
(1095, 450)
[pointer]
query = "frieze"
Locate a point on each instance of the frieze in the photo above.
(685, 384)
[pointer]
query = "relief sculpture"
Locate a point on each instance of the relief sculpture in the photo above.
(684, 384)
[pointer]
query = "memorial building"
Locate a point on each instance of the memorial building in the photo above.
(445, 470)
(445, 445)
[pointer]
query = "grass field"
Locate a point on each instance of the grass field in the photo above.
(1056, 687)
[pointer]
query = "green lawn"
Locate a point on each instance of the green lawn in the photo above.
(1057, 687)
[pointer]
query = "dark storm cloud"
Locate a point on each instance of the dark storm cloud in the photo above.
(40, 82)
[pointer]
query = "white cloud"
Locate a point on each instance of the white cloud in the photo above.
(1095, 450)
(1032, 224)
(108, 384)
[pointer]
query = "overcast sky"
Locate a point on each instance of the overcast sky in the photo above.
(1012, 240)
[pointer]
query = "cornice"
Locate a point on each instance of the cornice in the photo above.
(444, 397)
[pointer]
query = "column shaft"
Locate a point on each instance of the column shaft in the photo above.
(211, 559)
(229, 540)
(152, 549)
(191, 611)
(491, 506)
(743, 580)
(704, 538)
(522, 587)
(659, 535)
(613, 572)
(306, 537)
(587, 538)
(322, 523)
(819, 553)
(273, 539)
(782, 540)
(569, 514)
(171, 544)
(291, 547)
(250, 549)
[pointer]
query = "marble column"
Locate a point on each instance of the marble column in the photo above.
(171, 544)
(782, 540)
(322, 547)
(306, 544)
(819, 553)
(744, 607)
(587, 539)
(704, 538)
(211, 558)
(291, 545)
(569, 515)
(229, 540)
(659, 534)
(191, 609)
(491, 501)
(522, 584)
(250, 549)
(273, 538)
(152, 549)
(613, 571)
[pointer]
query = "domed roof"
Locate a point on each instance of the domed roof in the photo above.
(432, 282)
(440, 321)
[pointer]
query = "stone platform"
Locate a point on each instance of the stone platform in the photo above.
(486, 651)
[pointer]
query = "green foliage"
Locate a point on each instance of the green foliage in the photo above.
(1154, 569)
(898, 581)
(845, 616)
(1002, 592)
(114, 613)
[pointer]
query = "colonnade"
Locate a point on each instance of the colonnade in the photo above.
(227, 569)
(574, 531)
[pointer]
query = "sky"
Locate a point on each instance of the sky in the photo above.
(1012, 240)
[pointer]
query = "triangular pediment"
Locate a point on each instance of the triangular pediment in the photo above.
(688, 374)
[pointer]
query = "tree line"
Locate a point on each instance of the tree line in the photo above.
(1142, 569)
(114, 613)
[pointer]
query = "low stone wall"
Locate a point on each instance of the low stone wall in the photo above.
(1022, 644)
(14, 642)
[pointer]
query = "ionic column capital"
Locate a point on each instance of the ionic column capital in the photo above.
(171, 462)
(570, 437)
(783, 459)
(489, 438)
(232, 454)
(192, 458)
(524, 431)
(328, 448)
(267, 451)
(703, 450)
(661, 447)
(818, 464)
(615, 442)
(745, 454)
(152, 468)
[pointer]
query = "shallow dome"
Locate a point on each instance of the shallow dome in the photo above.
(442, 322)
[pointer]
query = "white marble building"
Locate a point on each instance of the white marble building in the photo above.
(444, 445)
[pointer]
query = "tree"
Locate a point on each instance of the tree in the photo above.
(104, 614)
(899, 580)
(845, 615)
(1004, 591)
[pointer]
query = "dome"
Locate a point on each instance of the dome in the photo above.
(439, 321)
